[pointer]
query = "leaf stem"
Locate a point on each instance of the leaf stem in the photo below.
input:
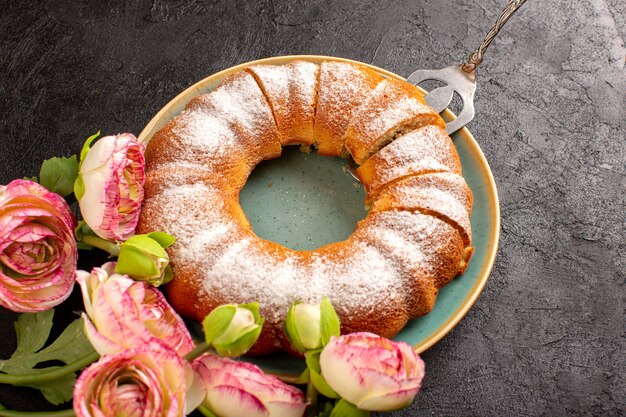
(5, 412)
(201, 348)
(311, 398)
(205, 411)
(49, 375)
(105, 245)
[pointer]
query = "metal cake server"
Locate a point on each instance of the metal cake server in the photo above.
(458, 78)
(461, 78)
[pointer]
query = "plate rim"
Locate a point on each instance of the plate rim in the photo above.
(181, 99)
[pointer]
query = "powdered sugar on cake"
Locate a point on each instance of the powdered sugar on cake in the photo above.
(211, 134)
(411, 240)
(424, 150)
(387, 109)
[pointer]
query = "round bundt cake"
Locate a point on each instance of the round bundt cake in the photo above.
(414, 240)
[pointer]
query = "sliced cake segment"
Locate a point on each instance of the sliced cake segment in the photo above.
(392, 109)
(227, 132)
(291, 90)
(342, 88)
(208, 143)
(427, 149)
(240, 103)
(366, 288)
(444, 195)
(426, 249)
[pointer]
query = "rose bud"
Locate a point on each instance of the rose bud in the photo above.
(371, 372)
(310, 326)
(232, 329)
(109, 187)
(138, 382)
(125, 314)
(37, 247)
(236, 389)
(144, 258)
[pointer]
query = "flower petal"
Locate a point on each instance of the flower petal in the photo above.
(229, 401)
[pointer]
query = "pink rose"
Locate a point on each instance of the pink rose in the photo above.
(37, 247)
(109, 187)
(137, 383)
(236, 389)
(371, 372)
(125, 314)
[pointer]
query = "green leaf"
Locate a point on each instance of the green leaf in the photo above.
(79, 187)
(345, 409)
(86, 147)
(303, 378)
(81, 230)
(291, 330)
(33, 179)
(329, 325)
(241, 345)
(322, 386)
(58, 391)
(168, 275)
(312, 359)
(217, 321)
(33, 330)
(164, 239)
(136, 263)
(58, 174)
(71, 345)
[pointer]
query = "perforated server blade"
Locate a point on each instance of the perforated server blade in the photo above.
(461, 78)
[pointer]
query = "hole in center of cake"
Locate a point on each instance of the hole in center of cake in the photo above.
(303, 201)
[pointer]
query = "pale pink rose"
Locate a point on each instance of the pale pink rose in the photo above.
(138, 383)
(37, 247)
(110, 186)
(372, 372)
(125, 314)
(236, 389)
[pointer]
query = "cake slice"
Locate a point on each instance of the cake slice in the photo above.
(444, 195)
(427, 149)
(341, 90)
(366, 288)
(240, 104)
(291, 90)
(208, 143)
(392, 109)
(424, 248)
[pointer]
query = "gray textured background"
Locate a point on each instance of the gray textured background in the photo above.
(547, 335)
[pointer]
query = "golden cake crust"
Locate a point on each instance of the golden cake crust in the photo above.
(291, 90)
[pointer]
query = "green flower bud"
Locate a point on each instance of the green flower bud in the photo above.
(310, 326)
(143, 257)
(232, 329)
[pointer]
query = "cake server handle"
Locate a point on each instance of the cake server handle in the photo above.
(476, 57)
(462, 78)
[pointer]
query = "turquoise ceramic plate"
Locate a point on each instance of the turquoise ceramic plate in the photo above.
(304, 201)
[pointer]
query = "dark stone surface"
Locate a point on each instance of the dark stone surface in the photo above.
(547, 335)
